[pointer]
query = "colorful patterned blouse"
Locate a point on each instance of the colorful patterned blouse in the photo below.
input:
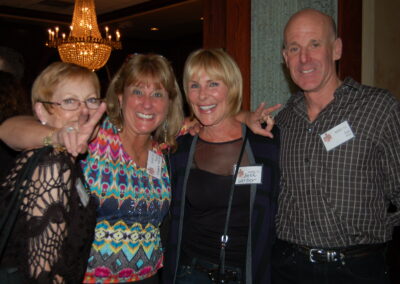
(131, 206)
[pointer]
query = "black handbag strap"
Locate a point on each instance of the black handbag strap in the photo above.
(8, 219)
(225, 237)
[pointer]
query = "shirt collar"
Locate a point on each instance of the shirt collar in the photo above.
(343, 90)
(347, 85)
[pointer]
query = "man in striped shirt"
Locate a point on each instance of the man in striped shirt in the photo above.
(340, 162)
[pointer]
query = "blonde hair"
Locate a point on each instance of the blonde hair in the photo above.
(219, 66)
(140, 67)
(45, 84)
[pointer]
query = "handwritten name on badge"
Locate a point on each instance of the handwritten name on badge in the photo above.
(154, 164)
(249, 175)
(337, 135)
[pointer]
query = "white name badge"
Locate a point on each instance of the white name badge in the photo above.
(337, 136)
(249, 175)
(154, 164)
(83, 195)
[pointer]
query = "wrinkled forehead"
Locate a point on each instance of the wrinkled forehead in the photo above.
(308, 26)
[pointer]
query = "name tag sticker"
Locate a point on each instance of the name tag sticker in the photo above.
(337, 136)
(249, 175)
(154, 164)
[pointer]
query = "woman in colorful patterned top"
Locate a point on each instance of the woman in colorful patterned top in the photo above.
(127, 173)
(125, 168)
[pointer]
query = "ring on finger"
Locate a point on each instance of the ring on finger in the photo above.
(70, 129)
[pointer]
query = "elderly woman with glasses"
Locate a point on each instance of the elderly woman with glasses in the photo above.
(51, 238)
(125, 168)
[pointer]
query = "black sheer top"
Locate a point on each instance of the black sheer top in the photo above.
(51, 240)
(207, 195)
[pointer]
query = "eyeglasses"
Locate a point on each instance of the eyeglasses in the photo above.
(74, 104)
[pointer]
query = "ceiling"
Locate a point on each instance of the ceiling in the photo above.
(66, 6)
(133, 18)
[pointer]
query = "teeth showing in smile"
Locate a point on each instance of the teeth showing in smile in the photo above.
(307, 71)
(207, 107)
(145, 116)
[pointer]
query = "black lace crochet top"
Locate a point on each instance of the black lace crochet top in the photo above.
(51, 240)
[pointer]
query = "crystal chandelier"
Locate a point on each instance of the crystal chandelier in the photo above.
(84, 45)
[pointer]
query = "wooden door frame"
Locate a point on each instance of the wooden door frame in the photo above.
(350, 31)
(227, 24)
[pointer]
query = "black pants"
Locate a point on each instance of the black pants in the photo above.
(289, 266)
(196, 271)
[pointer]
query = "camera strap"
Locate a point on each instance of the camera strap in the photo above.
(225, 237)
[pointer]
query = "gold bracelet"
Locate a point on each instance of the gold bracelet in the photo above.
(48, 139)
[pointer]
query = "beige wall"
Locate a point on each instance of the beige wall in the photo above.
(381, 44)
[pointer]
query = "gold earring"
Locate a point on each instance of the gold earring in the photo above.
(121, 120)
(165, 131)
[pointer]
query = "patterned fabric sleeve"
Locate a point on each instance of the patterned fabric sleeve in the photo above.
(185, 128)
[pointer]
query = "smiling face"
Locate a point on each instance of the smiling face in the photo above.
(208, 99)
(311, 51)
(144, 106)
(78, 88)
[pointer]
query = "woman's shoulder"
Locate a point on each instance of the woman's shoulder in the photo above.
(264, 139)
(39, 168)
(107, 126)
(107, 133)
(265, 146)
(43, 156)
(183, 148)
(43, 164)
(185, 140)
